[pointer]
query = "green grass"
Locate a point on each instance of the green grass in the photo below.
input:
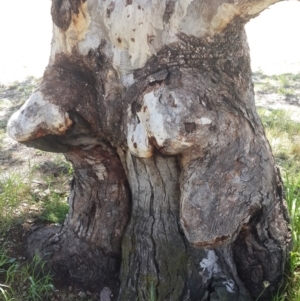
(20, 201)
(36, 194)
(13, 194)
(284, 137)
(54, 208)
(292, 185)
(24, 282)
(283, 84)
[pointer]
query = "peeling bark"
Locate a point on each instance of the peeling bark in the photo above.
(175, 190)
(63, 10)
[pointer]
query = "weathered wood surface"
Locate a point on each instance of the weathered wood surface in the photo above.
(152, 102)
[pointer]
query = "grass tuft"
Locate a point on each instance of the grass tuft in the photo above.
(54, 209)
(36, 192)
(26, 282)
(284, 136)
(14, 193)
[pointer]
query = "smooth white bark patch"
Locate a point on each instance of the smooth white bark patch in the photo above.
(128, 80)
(167, 120)
(160, 122)
(212, 269)
(210, 265)
(37, 118)
(230, 286)
(205, 121)
(132, 33)
(136, 32)
(164, 122)
(260, 6)
(138, 140)
(151, 115)
(100, 171)
(225, 14)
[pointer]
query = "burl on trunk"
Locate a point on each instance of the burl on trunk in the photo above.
(175, 193)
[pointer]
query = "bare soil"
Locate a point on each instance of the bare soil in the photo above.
(278, 92)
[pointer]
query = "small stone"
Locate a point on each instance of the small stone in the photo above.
(266, 284)
(82, 294)
(105, 294)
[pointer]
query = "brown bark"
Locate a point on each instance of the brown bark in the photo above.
(175, 190)
(87, 247)
(156, 256)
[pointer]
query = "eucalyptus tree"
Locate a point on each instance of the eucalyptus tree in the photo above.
(175, 191)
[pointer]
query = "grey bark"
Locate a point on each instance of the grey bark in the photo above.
(87, 248)
(175, 194)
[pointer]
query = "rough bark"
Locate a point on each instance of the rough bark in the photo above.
(86, 249)
(165, 263)
(175, 189)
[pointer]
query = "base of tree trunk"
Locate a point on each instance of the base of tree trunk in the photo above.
(72, 260)
(86, 249)
(157, 260)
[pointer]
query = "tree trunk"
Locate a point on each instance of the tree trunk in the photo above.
(157, 259)
(87, 247)
(175, 194)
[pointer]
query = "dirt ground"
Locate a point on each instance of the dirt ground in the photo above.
(278, 92)
(15, 157)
